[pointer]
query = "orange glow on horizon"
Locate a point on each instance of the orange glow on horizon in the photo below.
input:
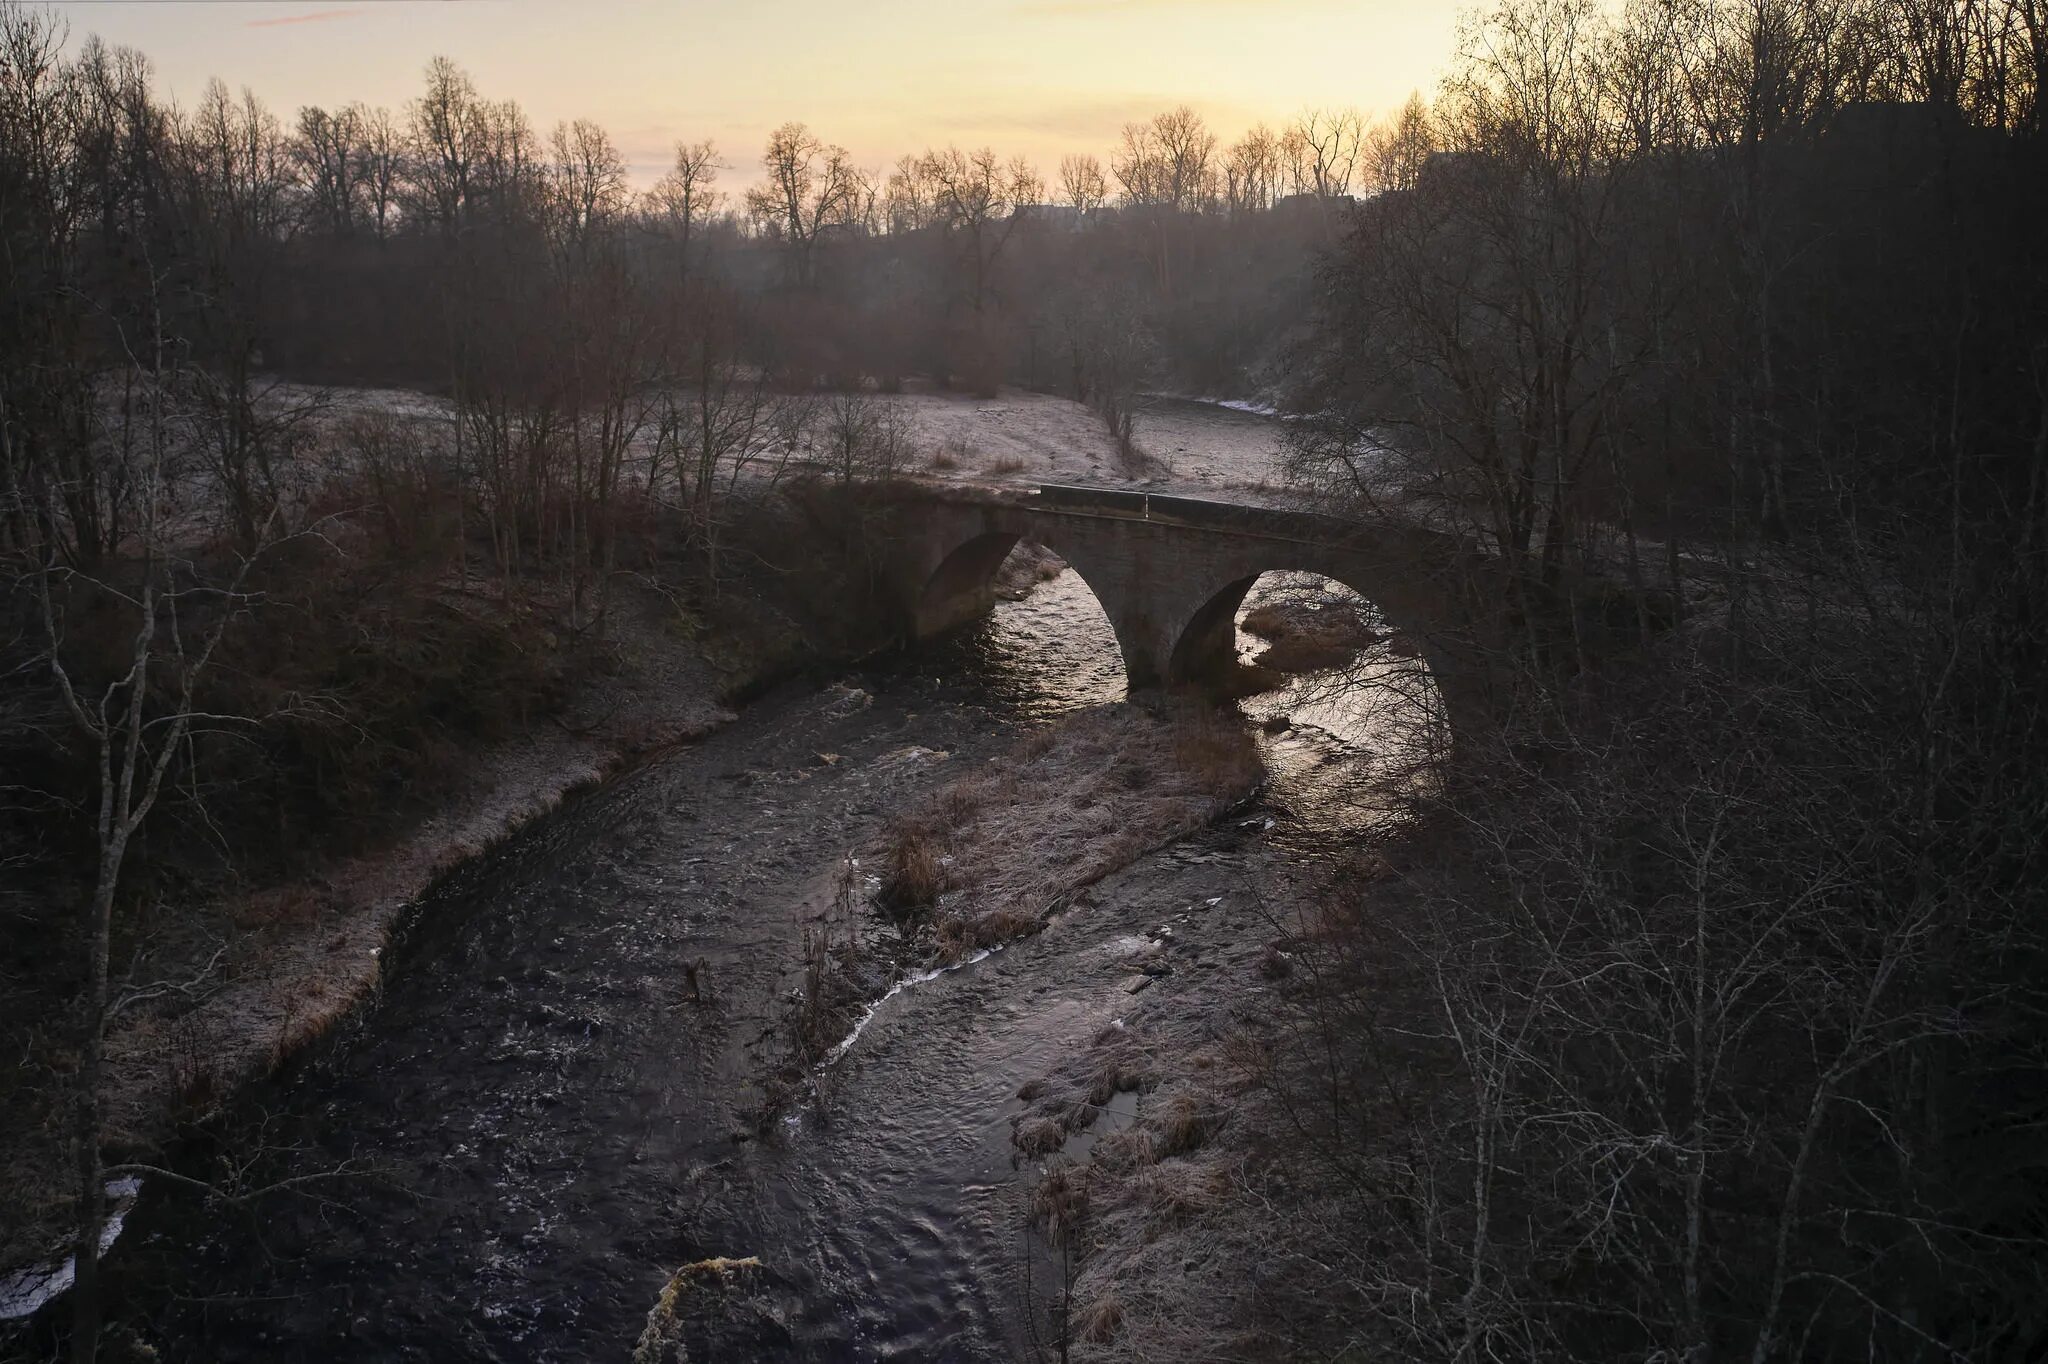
(1041, 78)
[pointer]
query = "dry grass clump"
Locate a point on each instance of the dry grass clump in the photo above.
(1268, 622)
(960, 936)
(1075, 1097)
(963, 801)
(1116, 1074)
(916, 876)
(1186, 1122)
(1095, 791)
(1038, 1136)
(1060, 1201)
(1121, 1152)
(692, 1290)
(1008, 464)
(1100, 1320)
(1175, 1190)
(1216, 755)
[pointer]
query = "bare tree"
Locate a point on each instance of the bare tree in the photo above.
(722, 431)
(1322, 148)
(1166, 163)
(135, 730)
(329, 151)
(976, 197)
(909, 196)
(862, 438)
(1165, 169)
(1396, 151)
(234, 173)
(382, 165)
(1083, 183)
(687, 198)
(446, 130)
(811, 187)
(1252, 170)
(586, 186)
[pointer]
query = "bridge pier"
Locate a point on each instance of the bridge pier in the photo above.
(962, 587)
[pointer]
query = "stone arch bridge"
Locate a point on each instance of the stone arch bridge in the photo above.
(1171, 572)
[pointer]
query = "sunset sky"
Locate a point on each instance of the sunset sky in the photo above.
(882, 77)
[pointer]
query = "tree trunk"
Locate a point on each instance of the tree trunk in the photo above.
(85, 1291)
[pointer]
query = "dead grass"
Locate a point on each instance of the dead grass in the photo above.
(1068, 806)
(1007, 464)
(1115, 1074)
(916, 877)
(1175, 1190)
(1212, 751)
(1060, 1202)
(1131, 1149)
(959, 936)
(1186, 1123)
(692, 1291)
(1099, 1322)
(1037, 1137)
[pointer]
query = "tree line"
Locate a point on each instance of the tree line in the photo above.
(1704, 1019)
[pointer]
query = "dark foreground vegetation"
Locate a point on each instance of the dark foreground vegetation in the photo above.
(1703, 1018)
(1699, 1016)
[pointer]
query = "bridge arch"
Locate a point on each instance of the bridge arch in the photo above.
(962, 587)
(1206, 644)
(1205, 648)
(1171, 574)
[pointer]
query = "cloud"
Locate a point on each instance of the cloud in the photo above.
(318, 16)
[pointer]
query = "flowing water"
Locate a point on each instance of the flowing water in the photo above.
(506, 1154)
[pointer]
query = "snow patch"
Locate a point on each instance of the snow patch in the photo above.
(25, 1291)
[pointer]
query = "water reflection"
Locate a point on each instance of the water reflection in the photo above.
(1051, 653)
(1343, 745)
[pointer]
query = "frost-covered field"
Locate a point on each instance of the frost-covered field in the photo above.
(1207, 449)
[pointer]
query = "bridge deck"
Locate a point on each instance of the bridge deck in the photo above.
(1174, 509)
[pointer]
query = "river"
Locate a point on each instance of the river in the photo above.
(506, 1154)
